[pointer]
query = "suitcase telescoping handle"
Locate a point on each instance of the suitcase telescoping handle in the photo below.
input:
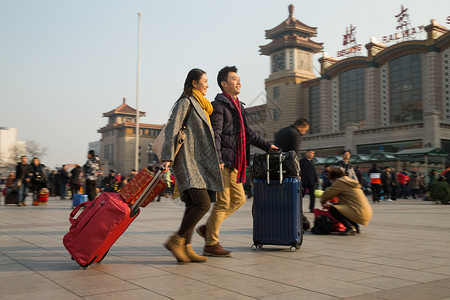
(75, 211)
(150, 186)
(280, 163)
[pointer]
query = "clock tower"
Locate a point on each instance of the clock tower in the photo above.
(291, 62)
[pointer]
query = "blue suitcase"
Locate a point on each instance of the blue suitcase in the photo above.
(277, 212)
(79, 198)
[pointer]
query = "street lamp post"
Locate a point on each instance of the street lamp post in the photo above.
(138, 73)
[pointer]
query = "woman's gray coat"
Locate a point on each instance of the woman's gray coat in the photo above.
(196, 164)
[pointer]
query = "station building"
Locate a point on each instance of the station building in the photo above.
(395, 98)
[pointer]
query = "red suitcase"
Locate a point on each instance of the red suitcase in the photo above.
(100, 224)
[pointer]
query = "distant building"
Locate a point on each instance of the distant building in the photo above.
(94, 146)
(118, 141)
(10, 148)
(396, 98)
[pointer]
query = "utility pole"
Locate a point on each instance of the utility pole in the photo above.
(138, 73)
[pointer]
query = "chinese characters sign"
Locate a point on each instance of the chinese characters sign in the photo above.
(404, 28)
(350, 42)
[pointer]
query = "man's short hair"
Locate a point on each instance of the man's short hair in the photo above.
(309, 150)
(91, 152)
(23, 156)
(301, 122)
(346, 151)
(223, 74)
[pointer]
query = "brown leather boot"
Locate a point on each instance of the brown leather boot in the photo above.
(176, 245)
(194, 257)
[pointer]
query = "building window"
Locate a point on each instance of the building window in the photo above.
(314, 109)
(109, 153)
(276, 92)
(351, 97)
(276, 114)
(405, 77)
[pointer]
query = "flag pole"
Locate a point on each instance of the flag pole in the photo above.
(138, 73)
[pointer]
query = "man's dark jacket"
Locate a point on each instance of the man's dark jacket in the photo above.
(308, 172)
(225, 122)
(22, 171)
(288, 139)
(75, 178)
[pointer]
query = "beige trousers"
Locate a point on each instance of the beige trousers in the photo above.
(228, 201)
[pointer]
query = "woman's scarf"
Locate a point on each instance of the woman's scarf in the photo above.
(204, 103)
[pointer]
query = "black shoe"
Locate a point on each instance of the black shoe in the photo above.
(348, 231)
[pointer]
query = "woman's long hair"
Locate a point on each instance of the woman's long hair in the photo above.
(194, 74)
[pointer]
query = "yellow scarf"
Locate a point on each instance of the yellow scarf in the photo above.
(204, 103)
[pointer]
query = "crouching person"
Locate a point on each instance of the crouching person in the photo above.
(353, 208)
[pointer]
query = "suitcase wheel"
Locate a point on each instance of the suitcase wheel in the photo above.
(254, 247)
(293, 248)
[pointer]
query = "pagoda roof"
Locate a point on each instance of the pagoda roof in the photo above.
(291, 41)
(123, 109)
(291, 33)
(289, 25)
(129, 125)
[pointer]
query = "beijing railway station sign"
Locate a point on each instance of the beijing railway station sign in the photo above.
(405, 31)
(353, 48)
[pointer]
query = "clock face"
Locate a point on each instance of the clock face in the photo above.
(278, 62)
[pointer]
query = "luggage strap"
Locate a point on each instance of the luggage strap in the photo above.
(75, 211)
(280, 165)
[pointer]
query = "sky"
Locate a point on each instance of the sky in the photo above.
(64, 63)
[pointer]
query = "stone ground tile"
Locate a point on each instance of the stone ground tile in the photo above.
(250, 286)
(300, 294)
(219, 294)
(128, 271)
(331, 287)
(57, 293)
(407, 274)
(14, 269)
(25, 283)
(416, 292)
(201, 271)
(173, 285)
(444, 270)
(93, 285)
(137, 294)
(403, 263)
(365, 297)
(385, 283)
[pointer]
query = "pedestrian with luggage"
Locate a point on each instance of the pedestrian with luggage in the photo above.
(309, 177)
(196, 168)
(22, 180)
(233, 137)
(37, 179)
(289, 138)
(352, 207)
(91, 172)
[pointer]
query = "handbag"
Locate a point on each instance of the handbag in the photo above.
(289, 162)
(181, 137)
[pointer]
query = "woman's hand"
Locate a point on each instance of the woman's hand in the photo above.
(165, 165)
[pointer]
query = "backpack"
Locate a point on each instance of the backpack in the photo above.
(322, 225)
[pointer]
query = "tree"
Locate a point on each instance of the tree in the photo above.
(34, 149)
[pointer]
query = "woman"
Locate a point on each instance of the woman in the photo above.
(196, 166)
(37, 179)
(353, 208)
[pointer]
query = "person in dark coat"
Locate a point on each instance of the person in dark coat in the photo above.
(233, 137)
(52, 181)
(63, 179)
(386, 181)
(37, 179)
(109, 181)
(375, 183)
(289, 138)
(75, 180)
(22, 180)
(308, 176)
(326, 182)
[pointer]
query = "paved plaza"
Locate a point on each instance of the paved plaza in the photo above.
(403, 254)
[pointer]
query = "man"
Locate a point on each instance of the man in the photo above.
(90, 169)
(346, 166)
(133, 173)
(403, 178)
(22, 180)
(309, 178)
(289, 138)
(386, 181)
(375, 183)
(75, 180)
(326, 182)
(233, 138)
(109, 181)
(63, 177)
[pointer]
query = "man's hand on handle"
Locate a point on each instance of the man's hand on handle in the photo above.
(273, 148)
